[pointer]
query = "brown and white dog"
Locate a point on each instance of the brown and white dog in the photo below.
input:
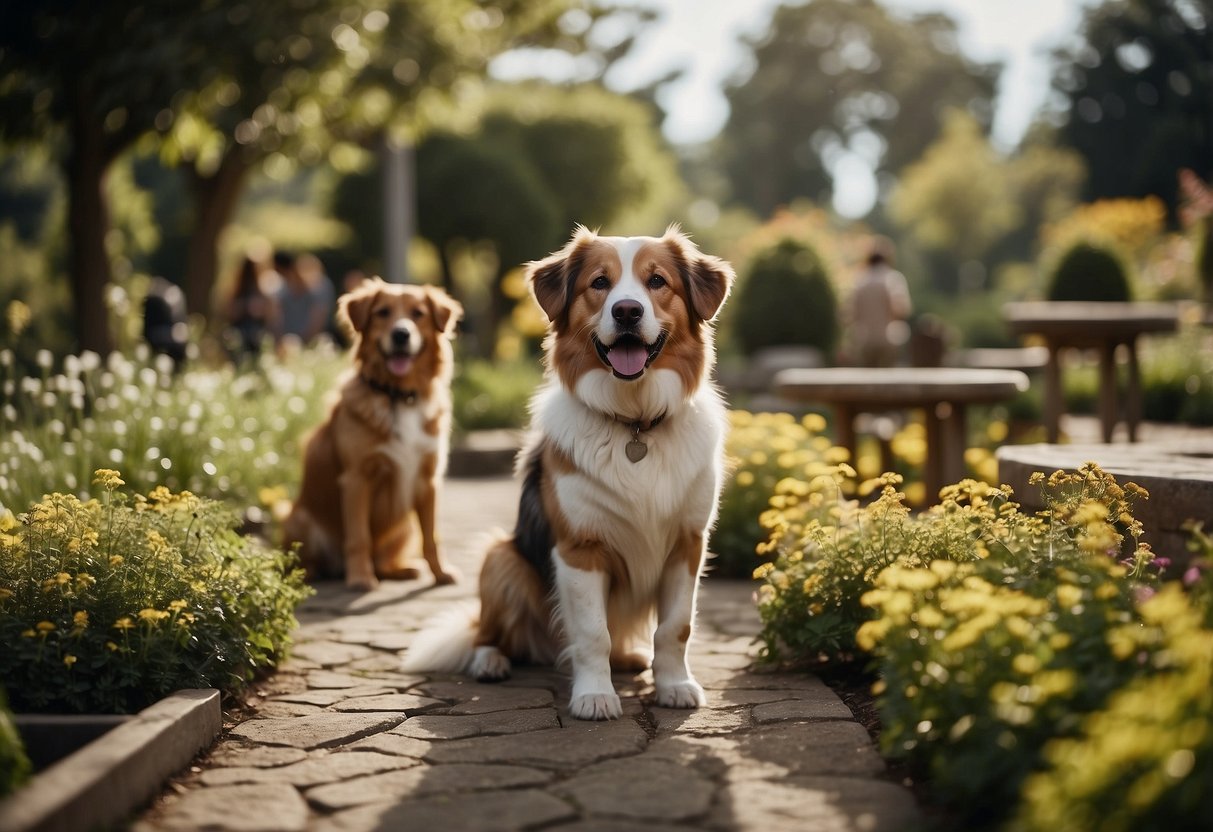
(620, 478)
(381, 454)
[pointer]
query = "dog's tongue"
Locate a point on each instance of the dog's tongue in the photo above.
(628, 357)
(398, 365)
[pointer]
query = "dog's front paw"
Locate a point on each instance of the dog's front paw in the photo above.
(446, 576)
(489, 665)
(595, 706)
(685, 694)
(361, 580)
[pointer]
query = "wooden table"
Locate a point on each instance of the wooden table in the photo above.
(1102, 326)
(942, 393)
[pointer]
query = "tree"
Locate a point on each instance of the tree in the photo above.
(92, 77)
(836, 76)
(1137, 89)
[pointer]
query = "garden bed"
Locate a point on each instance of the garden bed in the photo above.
(100, 784)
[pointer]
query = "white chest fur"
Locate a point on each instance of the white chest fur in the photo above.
(637, 508)
(410, 442)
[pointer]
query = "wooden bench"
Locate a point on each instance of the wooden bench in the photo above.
(942, 393)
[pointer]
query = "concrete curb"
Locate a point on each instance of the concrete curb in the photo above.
(106, 780)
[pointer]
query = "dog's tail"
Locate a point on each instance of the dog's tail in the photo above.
(447, 644)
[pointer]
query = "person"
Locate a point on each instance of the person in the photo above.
(249, 313)
(877, 310)
(164, 320)
(304, 301)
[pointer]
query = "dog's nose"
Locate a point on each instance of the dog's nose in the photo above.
(400, 336)
(627, 312)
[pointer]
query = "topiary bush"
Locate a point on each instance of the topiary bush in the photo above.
(1089, 271)
(786, 298)
(110, 604)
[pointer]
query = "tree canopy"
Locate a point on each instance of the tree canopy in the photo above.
(836, 76)
(1136, 86)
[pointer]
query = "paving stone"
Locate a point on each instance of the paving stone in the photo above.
(330, 653)
(378, 662)
(391, 678)
(391, 641)
(699, 720)
(823, 804)
(475, 698)
(322, 730)
(640, 789)
(618, 825)
(422, 781)
(800, 709)
(479, 812)
(274, 709)
(313, 771)
(441, 727)
(573, 746)
(247, 808)
(809, 748)
(407, 703)
(328, 679)
(389, 743)
(325, 698)
(254, 756)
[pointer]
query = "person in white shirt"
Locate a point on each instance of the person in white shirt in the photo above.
(877, 311)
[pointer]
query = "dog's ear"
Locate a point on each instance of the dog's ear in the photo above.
(354, 308)
(708, 279)
(552, 277)
(446, 310)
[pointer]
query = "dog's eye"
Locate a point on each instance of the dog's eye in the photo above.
(656, 281)
(418, 314)
(382, 312)
(600, 282)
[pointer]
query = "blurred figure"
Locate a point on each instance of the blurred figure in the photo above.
(164, 320)
(249, 313)
(305, 300)
(877, 310)
(352, 280)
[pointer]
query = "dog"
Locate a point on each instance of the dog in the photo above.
(379, 457)
(620, 478)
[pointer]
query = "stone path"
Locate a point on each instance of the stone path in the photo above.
(340, 739)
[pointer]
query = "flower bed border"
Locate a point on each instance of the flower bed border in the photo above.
(102, 783)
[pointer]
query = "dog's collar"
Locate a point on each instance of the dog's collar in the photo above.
(641, 425)
(394, 393)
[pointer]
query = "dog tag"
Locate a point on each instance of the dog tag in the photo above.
(636, 450)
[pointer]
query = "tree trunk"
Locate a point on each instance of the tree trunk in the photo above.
(215, 199)
(88, 222)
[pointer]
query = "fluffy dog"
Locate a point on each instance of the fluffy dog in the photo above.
(620, 478)
(380, 455)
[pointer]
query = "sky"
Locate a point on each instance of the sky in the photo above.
(703, 36)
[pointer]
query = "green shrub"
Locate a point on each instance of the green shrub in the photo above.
(493, 394)
(14, 764)
(1089, 271)
(1144, 761)
(785, 298)
(110, 604)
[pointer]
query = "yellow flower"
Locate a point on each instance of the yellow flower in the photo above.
(124, 623)
(69, 660)
(45, 627)
(80, 620)
(107, 478)
(116, 560)
(152, 615)
(7, 521)
(1069, 596)
(111, 646)
(28, 634)
(178, 605)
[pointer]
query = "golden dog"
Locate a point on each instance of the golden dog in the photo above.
(381, 454)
